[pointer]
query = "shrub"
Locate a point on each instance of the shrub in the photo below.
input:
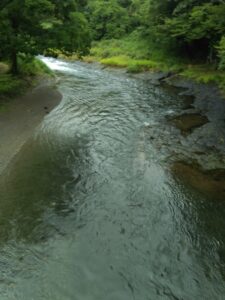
(30, 66)
(221, 53)
(9, 85)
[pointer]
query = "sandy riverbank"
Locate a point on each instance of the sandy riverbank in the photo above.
(22, 115)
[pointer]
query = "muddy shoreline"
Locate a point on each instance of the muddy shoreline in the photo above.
(22, 115)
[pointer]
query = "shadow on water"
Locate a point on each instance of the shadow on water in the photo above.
(204, 212)
(36, 187)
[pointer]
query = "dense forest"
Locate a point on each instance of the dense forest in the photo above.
(194, 29)
(31, 27)
(187, 30)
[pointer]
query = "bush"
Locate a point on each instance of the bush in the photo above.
(30, 66)
(10, 85)
(221, 53)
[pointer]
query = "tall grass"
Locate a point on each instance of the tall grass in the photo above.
(9, 85)
(134, 53)
(29, 68)
(137, 55)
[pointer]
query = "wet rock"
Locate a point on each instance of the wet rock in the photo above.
(179, 81)
(210, 183)
(188, 122)
(153, 77)
(162, 75)
(188, 101)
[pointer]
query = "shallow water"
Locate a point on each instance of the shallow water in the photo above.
(90, 209)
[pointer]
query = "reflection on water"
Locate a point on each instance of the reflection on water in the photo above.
(35, 183)
(89, 210)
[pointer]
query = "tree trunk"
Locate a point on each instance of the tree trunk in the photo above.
(14, 67)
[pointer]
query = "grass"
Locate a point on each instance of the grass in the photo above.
(132, 46)
(205, 74)
(28, 70)
(11, 86)
(133, 65)
(136, 55)
(33, 67)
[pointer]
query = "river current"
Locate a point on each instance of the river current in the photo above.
(90, 209)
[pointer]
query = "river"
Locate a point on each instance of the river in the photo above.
(90, 209)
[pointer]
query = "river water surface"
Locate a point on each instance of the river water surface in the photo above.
(90, 210)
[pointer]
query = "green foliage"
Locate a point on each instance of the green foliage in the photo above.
(221, 53)
(205, 74)
(30, 66)
(133, 65)
(133, 53)
(133, 45)
(193, 28)
(32, 26)
(189, 29)
(138, 34)
(9, 85)
(4, 68)
(108, 19)
(117, 61)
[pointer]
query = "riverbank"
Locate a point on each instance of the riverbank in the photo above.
(22, 115)
(134, 54)
(193, 137)
(30, 70)
(199, 123)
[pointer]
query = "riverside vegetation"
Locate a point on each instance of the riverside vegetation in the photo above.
(29, 28)
(11, 85)
(185, 36)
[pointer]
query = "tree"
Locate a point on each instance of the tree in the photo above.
(200, 29)
(189, 28)
(108, 19)
(221, 53)
(32, 26)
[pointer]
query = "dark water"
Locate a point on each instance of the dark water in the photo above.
(90, 210)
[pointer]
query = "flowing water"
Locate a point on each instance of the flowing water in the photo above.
(89, 210)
